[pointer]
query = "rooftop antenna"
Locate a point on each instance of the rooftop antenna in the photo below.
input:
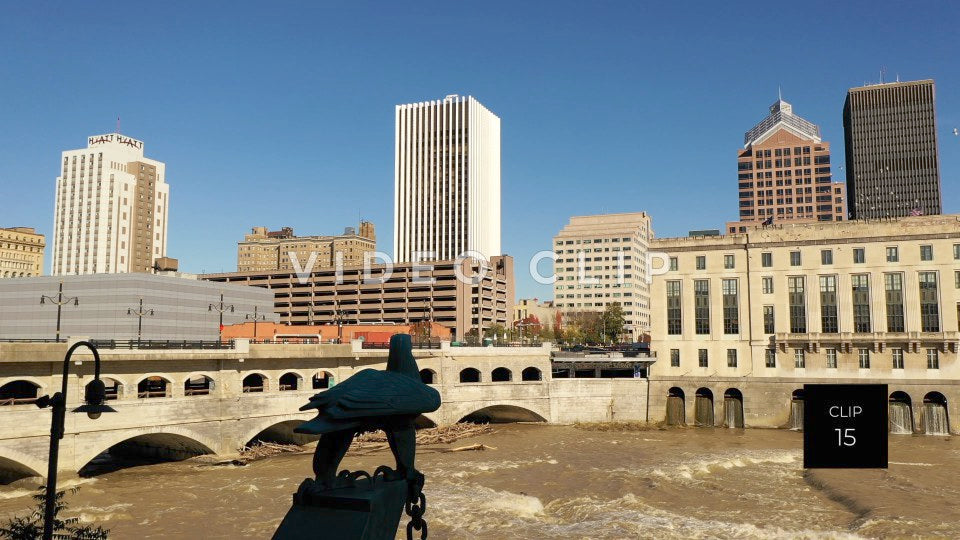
(883, 73)
(779, 94)
(118, 124)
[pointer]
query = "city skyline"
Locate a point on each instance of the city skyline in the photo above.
(567, 150)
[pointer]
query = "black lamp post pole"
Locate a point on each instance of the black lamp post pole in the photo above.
(95, 396)
(139, 312)
(59, 301)
(256, 317)
(221, 309)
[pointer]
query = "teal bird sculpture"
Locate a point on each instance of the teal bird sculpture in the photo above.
(371, 399)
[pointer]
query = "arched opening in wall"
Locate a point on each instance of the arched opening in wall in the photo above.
(501, 374)
(322, 379)
(428, 376)
(502, 414)
(12, 471)
(112, 387)
(289, 381)
(900, 413)
(422, 422)
(282, 433)
(18, 393)
(469, 375)
(796, 410)
(144, 450)
(153, 387)
(531, 374)
(254, 382)
(676, 407)
(703, 408)
(733, 408)
(198, 385)
(935, 419)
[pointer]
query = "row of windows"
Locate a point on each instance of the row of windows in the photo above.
(826, 257)
(800, 358)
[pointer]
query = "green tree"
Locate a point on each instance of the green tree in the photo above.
(495, 331)
(31, 527)
(612, 322)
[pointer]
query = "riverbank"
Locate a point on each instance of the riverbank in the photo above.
(548, 481)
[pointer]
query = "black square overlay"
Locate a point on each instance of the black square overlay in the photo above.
(845, 426)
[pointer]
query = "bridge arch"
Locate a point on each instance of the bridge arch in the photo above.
(276, 429)
(255, 381)
(169, 443)
(531, 374)
(470, 375)
(154, 385)
(20, 391)
(199, 384)
(322, 379)
(501, 374)
(15, 466)
(429, 376)
(290, 380)
(501, 414)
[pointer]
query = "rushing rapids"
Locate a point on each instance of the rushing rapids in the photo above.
(540, 481)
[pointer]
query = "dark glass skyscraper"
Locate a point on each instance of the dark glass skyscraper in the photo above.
(891, 145)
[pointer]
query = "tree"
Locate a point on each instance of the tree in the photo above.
(495, 330)
(31, 527)
(421, 331)
(612, 322)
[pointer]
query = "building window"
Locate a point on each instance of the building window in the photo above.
(794, 258)
(893, 284)
(673, 264)
(956, 252)
(926, 253)
(897, 355)
(701, 306)
(766, 260)
(933, 359)
(728, 261)
(831, 358)
(828, 305)
(864, 355)
(768, 321)
(674, 357)
(893, 254)
(674, 309)
(797, 301)
(731, 358)
(701, 262)
(826, 256)
(799, 358)
(770, 358)
(956, 279)
(929, 305)
(861, 302)
(767, 285)
(731, 315)
(702, 358)
(859, 256)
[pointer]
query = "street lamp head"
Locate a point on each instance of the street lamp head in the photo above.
(94, 398)
(210, 307)
(231, 309)
(76, 301)
(42, 299)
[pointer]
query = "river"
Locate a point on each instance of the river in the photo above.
(544, 481)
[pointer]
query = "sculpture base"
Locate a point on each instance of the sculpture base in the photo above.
(364, 511)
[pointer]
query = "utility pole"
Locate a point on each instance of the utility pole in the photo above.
(139, 312)
(221, 308)
(59, 301)
(256, 317)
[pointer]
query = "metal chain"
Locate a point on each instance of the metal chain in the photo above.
(416, 510)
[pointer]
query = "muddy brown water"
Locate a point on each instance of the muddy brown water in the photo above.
(562, 482)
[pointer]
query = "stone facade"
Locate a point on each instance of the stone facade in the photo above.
(266, 251)
(21, 252)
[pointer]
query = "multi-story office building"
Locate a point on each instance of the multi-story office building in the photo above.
(602, 260)
(21, 252)
(447, 180)
(111, 209)
(544, 311)
(784, 173)
(458, 294)
(891, 145)
(840, 300)
(265, 251)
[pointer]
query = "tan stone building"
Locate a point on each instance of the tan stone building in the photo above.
(850, 300)
(784, 173)
(21, 252)
(265, 251)
(407, 293)
(545, 311)
(601, 260)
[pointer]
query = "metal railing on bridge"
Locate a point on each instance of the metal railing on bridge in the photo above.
(386, 345)
(160, 344)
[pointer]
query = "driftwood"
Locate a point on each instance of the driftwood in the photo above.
(469, 448)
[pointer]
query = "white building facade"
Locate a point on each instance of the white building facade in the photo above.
(447, 180)
(111, 209)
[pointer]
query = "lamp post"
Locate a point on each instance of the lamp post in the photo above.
(338, 318)
(59, 301)
(139, 312)
(221, 308)
(94, 399)
(256, 317)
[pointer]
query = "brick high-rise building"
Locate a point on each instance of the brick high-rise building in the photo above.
(111, 209)
(891, 145)
(784, 173)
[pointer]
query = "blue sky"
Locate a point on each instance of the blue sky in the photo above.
(281, 114)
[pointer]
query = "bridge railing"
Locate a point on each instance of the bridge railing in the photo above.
(161, 344)
(386, 345)
(17, 401)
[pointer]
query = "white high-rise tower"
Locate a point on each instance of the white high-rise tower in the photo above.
(447, 180)
(111, 209)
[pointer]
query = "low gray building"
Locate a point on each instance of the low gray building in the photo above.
(181, 307)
